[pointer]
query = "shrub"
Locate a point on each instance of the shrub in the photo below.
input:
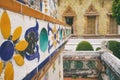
(114, 46)
(84, 46)
(98, 48)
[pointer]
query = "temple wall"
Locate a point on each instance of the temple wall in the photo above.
(80, 7)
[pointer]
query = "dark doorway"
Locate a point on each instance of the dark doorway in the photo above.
(69, 21)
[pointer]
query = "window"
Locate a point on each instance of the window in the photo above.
(69, 21)
(91, 24)
(113, 28)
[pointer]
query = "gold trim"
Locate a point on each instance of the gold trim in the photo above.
(15, 6)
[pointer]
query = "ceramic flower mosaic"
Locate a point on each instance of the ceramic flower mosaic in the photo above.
(55, 36)
(10, 47)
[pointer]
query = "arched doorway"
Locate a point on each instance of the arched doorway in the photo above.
(69, 17)
(91, 18)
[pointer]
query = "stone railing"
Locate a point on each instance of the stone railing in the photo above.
(81, 64)
(102, 65)
(111, 66)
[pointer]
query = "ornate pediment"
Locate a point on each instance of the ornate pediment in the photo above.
(91, 10)
(69, 12)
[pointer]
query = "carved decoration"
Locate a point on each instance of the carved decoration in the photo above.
(91, 11)
(69, 12)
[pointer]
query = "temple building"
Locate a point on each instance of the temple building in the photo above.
(91, 17)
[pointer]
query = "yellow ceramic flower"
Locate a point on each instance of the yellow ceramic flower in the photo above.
(7, 48)
(1, 66)
(19, 59)
(5, 25)
(9, 72)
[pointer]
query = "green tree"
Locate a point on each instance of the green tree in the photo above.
(114, 46)
(116, 10)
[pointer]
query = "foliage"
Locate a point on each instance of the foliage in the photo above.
(116, 10)
(78, 64)
(98, 48)
(84, 46)
(114, 46)
(66, 64)
(91, 64)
